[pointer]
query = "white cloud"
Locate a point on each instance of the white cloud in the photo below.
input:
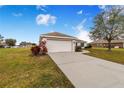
(80, 12)
(52, 31)
(17, 14)
(45, 19)
(41, 7)
(102, 7)
(82, 33)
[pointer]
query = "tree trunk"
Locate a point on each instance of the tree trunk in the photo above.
(109, 45)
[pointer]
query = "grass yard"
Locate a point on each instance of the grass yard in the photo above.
(116, 55)
(19, 69)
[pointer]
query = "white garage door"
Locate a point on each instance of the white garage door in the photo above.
(59, 46)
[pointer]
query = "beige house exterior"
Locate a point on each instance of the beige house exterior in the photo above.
(59, 42)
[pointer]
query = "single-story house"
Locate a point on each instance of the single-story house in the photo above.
(103, 43)
(2, 44)
(59, 42)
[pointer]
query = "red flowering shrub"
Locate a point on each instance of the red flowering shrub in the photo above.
(45, 49)
(41, 49)
(35, 50)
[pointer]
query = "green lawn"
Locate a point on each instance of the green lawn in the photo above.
(116, 55)
(19, 69)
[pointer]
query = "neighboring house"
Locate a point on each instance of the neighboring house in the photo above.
(16, 46)
(103, 43)
(26, 44)
(2, 44)
(59, 42)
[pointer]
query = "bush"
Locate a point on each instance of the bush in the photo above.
(35, 50)
(44, 51)
(78, 49)
(1, 46)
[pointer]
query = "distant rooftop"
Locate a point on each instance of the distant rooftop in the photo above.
(113, 41)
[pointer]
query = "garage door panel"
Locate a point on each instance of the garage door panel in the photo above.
(59, 46)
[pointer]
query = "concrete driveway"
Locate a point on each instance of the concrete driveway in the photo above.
(89, 72)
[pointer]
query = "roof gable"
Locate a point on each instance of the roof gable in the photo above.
(57, 34)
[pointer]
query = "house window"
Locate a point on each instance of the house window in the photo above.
(101, 45)
(97, 45)
(78, 44)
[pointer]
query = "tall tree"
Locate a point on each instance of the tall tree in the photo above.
(108, 25)
(10, 42)
(23, 43)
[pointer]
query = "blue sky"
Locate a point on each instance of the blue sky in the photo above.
(26, 23)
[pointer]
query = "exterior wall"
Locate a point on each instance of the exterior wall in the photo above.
(59, 46)
(105, 45)
(82, 44)
(85, 44)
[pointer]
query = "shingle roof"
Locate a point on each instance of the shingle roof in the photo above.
(113, 41)
(58, 34)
